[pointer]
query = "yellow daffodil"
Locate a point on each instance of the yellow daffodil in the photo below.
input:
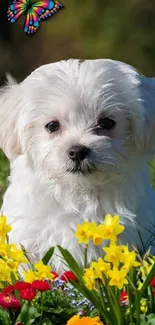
(77, 320)
(4, 228)
(12, 252)
(5, 272)
(128, 258)
(146, 268)
(113, 253)
(43, 271)
(89, 278)
(30, 276)
(117, 278)
(12, 264)
(149, 265)
(3, 249)
(85, 232)
(95, 272)
(97, 239)
(126, 267)
(110, 228)
(94, 235)
(100, 267)
(16, 254)
(82, 233)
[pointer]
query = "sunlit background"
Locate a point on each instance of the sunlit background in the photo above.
(122, 30)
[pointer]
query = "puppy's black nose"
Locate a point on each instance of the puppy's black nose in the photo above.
(78, 153)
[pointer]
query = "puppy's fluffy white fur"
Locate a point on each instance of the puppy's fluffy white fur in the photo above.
(45, 199)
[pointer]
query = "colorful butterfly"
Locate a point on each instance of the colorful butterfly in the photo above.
(35, 12)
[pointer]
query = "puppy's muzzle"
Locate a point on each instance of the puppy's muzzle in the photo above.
(78, 153)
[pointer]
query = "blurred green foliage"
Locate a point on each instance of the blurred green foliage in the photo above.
(122, 30)
(152, 171)
(4, 173)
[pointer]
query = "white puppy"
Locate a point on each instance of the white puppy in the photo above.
(79, 136)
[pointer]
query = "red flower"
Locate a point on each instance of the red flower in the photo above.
(22, 285)
(56, 275)
(152, 283)
(123, 297)
(27, 294)
(68, 276)
(9, 289)
(9, 301)
(41, 285)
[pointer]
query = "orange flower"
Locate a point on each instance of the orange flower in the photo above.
(76, 320)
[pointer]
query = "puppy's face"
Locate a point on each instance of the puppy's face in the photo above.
(79, 120)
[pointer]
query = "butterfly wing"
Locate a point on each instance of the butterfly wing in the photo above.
(39, 10)
(34, 12)
(46, 8)
(16, 9)
(32, 21)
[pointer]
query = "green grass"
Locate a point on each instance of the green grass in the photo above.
(4, 173)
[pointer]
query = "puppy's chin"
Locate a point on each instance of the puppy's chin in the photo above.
(77, 180)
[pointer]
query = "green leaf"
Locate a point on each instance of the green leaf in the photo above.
(93, 297)
(151, 319)
(90, 295)
(26, 255)
(13, 278)
(54, 311)
(151, 316)
(48, 255)
(57, 306)
(71, 262)
(143, 320)
(47, 322)
(28, 314)
(4, 317)
(17, 295)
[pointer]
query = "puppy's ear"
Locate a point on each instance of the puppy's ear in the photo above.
(10, 107)
(144, 117)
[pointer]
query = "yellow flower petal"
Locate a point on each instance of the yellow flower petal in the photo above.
(117, 278)
(4, 228)
(30, 276)
(83, 233)
(43, 271)
(113, 253)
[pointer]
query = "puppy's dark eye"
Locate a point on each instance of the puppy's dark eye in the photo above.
(106, 123)
(52, 126)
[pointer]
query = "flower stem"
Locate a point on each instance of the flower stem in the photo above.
(113, 311)
(151, 298)
(138, 308)
(131, 283)
(41, 299)
(85, 256)
(130, 304)
(119, 314)
(102, 300)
